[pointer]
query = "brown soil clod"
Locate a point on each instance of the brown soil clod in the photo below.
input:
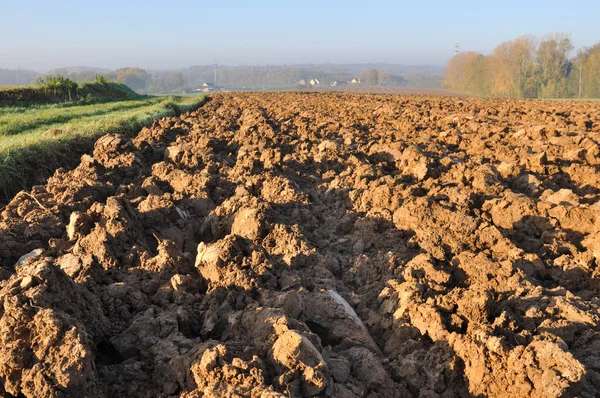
(324, 244)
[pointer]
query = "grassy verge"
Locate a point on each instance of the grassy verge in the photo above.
(34, 141)
(35, 118)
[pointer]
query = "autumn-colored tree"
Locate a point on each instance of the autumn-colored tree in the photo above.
(554, 65)
(511, 69)
(371, 77)
(523, 69)
(523, 52)
(464, 73)
(134, 78)
(586, 73)
(503, 80)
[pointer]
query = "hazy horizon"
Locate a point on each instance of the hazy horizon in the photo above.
(153, 35)
(220, 65)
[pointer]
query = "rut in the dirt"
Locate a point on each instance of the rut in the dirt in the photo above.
(314, 245)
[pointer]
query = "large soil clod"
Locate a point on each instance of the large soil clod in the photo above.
(332, 245)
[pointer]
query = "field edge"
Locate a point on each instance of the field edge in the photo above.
(30, 165)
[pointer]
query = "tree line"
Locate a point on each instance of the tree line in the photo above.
(166, 81)
(373, 77)
(528, 67)
(187, 79)
(135, 78)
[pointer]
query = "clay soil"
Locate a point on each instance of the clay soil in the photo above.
(364, 89)
(332, 245)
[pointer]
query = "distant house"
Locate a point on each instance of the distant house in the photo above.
(314, 82)
(208, 87)
(205, 88)
(355, 81)
(338, 83)
(302, 82)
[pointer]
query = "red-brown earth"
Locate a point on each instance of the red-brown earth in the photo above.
(330, 245)
(365, 89)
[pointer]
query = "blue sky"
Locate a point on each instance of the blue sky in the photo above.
(40, 34)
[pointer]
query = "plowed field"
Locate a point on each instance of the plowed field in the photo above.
(333, 245)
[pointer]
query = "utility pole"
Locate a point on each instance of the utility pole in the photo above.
(215, 65)
(456, 49)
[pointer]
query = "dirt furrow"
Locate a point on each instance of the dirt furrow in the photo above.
(295, 244)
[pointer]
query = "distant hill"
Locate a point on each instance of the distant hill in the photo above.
(78, 69)
(396, 69)
(274, 77)
(17, 77)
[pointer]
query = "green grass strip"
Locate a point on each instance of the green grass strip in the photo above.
(27, 156)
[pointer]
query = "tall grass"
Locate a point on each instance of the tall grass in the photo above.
(57, 89)
(60, 86)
